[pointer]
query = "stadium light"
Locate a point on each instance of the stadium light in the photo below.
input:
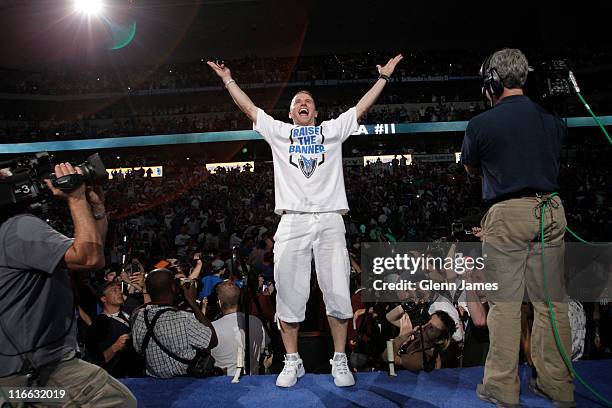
(89, 7)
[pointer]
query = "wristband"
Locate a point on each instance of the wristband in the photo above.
(229, 82)
(98, 217)
(385, 77)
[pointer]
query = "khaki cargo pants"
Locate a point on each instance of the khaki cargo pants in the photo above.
(86, 385)
(513, 259)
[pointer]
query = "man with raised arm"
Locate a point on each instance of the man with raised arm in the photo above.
(310, 196)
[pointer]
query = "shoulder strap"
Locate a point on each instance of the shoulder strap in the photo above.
(151, 331)
(150, 327)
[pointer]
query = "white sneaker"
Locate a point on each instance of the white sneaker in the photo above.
(293, 370)
(341, 372)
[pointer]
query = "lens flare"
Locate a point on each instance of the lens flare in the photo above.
(89, 7)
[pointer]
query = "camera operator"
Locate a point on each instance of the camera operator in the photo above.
(173, 337)
(515, 146)
(38, 329)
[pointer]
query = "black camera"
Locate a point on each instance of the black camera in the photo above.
(186, 283)
(23, 182)
(417, 311)
(549, 83)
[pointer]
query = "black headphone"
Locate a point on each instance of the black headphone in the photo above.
(491, 81)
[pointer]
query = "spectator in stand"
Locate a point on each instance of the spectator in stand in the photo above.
(257, 255)
(230, 332)
(266, 267)
(210, 281)
(181, 241)
(110, 276)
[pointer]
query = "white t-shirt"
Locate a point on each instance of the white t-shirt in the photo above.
(308, 173)
(230, 334)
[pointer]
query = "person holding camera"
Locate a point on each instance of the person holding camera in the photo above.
(419, 347)
(108, 338)
(37, 325)
(515, 148)
(174, 342)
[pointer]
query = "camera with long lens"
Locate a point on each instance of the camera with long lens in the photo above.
(23, 183)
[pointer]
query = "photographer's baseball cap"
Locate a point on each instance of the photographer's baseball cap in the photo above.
(217, 265)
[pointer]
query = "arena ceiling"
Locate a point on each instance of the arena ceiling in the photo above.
(47, 32)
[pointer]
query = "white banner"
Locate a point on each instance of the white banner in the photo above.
(432, 158)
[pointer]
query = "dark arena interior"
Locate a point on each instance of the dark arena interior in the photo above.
(273, 203)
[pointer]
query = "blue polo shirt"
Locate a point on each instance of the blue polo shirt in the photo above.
(208, 284)
(516, 145)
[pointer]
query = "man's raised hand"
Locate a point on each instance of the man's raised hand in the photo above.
(241, 99)
(221, 70)
(390, 66)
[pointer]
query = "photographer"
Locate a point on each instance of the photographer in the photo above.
(108, 339)
(435, 300)
(515, 146)
(419, 348)
(171, 339)
(133, 287)
(38, 329)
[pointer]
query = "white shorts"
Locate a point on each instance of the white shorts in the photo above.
(298, 236)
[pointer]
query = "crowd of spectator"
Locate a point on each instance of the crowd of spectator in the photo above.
(432, 88)
(157, 124)
(179, 246)
(190, 219)
(265, 70)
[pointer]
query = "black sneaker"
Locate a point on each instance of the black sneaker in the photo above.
(533, 387)
(483, 395)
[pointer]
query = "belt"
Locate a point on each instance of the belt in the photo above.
(519, 194)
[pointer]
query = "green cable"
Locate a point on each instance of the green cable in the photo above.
(588, 108)
(566, 359)
(583, 241)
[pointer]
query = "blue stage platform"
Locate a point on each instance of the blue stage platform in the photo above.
(443, 388)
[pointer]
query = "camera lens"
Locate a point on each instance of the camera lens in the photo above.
(93, 169)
